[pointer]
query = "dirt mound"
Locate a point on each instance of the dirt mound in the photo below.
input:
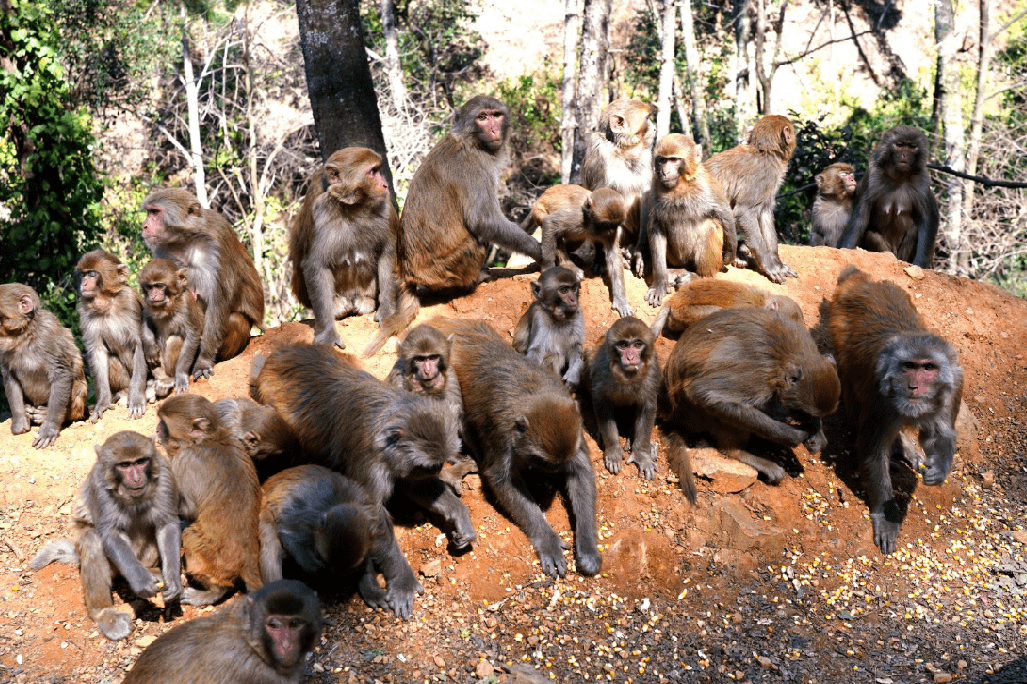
(693, 593)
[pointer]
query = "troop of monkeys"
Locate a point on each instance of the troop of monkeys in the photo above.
(297, 483)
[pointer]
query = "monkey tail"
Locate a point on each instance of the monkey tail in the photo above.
(849, 272)
(407, 307)
(681, 463)
(257, 365)
(661, 320)
(62, 551)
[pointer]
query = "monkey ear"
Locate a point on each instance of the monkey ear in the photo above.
(536, 289)
(618, 124)
(251, 439)
(793, 374)
(830, 357)
(194, 209)
(26, 305)
(122, 273)
(200, 427)
(182, 276)
(99, 451)
(819, 178)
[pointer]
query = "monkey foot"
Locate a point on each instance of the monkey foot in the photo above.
(886, 533)
(114, 624)
(588, 561)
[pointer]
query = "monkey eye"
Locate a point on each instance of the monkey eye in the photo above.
(930, 366)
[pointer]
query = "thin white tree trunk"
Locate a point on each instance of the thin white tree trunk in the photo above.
(568, 120)
(192, 99)
(595, 41)
(952, 120)
(666, 85)
(977, 118)
(393, 67)
(700, 129)
(256, 192)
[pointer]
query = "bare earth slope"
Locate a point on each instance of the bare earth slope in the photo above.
(755, 583)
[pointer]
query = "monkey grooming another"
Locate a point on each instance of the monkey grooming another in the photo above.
(399, 443)
(262, 638)
(220, 498)
(751, 372)
(343, 243)
(833, 205)
(265, 436)
(173, 322)
(895, 374)
(126, 518)
(552, 330)
(41, 366)
(112, 325)
(624, 375)
(700, 298)
(521, 422)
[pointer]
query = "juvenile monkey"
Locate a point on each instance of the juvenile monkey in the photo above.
(833, 205)
(265, 436)
(552, 330)
(700, 298)
(173, 322)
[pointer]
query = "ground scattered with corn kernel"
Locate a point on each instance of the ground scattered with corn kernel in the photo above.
(765, 584)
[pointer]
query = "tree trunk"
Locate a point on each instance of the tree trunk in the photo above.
(949, 107)
(338, 78)
(744, 73)
(666, 85)
(192, 100)
(700, 129)
(977, 118)
(393, 67)
(568, 122)
(256, 192)
(591, 76)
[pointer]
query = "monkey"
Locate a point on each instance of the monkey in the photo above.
(623, 376)
(126, 520)
(751, 372)
(265, 436)
(317, 517)
(221, 273)
(895, 373)
(343, 243)
(572, 214)
(833, 205)
(452, 214)
(173, 322)
(220, 498)
(552, 330)
(688, 213)
(400, 443)
(423, 367)
(262, 638)
(521, 423)
(700, 298)
(111, 318)
(751, 174)
(41, 366)
(895, 208)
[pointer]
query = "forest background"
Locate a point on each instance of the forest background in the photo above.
(100, 100)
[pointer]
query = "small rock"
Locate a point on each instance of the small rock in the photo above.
(942, 677)
(961, 664)
(988, 480)
(1020, 536)
(484, 669)
(764, 661)
(440, 662)
(914, 272)
(143, 642)
(432, 568)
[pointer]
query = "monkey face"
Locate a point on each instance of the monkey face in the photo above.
(153, 227)
(491, 124)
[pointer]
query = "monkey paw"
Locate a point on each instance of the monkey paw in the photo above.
(137, 408)
(886, 532)
(203, 369)
(98, 410)
(622, 307)
(656, 293)
(401, 601)
(330, 337)
(613, 458)
(550, 552)
(142, 583)
(172, 590)
(47, 435)
(815, 442)
(643, 458)
(20, 425)
(114, 624)
(182, 385)
(588, 560)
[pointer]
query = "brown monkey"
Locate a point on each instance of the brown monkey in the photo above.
(833, 205)
(41, 366)
(262, 638)
(570, 214)
(751, 372)
(220, 498)
(895, 374)
(126, 518)
(700, 298)
(112, 325)
(343, 243)
(318, 518)
(220, 271)
(620, 157)
(265, 436)
(690, 225)
(895, 208)
(173, 321)
(400, 443)
(452, 214)
(552, 330)
(521, 423)
(624, 377)
(751, 173)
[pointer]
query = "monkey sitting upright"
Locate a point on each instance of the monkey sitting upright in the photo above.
(833, 205)
(552, 330)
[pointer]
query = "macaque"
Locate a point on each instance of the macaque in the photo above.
(552, 330)
(265, 436)
(173, 322)
(699, 298)
(833, 205)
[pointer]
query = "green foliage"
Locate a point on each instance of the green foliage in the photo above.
(534, 102)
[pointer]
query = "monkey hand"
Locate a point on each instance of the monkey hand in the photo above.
(373, 595)
(613, 457)
(939, 450)
(621, 306)
(137, 407)
(645, 459)
(203, 368)
(47, 434)
(815, 442)
(587, 556)
(172, 589)
(401, 599)
(182, 383)
(141, 581)
(638, 264)
(550, 551)
(788, 271)
(886, 532)
(20, 423)
(102, 405)
(656, 293)
(329, 336)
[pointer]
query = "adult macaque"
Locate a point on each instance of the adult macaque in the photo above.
(700, 298)
(126, 518)
(220, 271)
(750, 372)
(265, 436)
(751, 174)
(112, 326)
(262, 638)
(895, 374)
(895, 208)
(690, 225)
(521, 429)
(44, 377)
(173, 321)
(319, 519)
(833, 205)
(624, 378)
(400, 442)
(343, 243)
(570, 214)
(220, 498)
(452, 214)
(552, 330)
